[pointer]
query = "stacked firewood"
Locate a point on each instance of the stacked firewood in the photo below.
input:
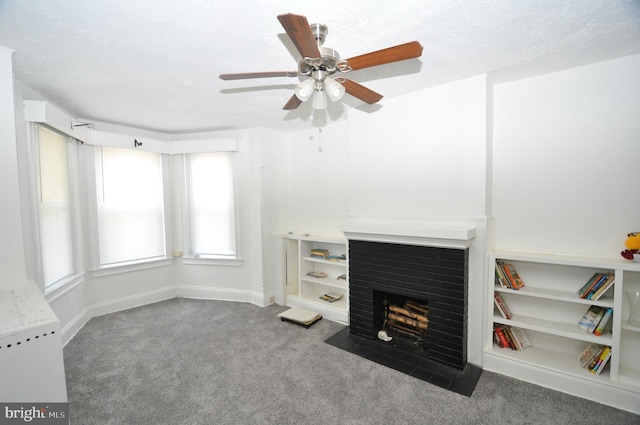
(409, 319)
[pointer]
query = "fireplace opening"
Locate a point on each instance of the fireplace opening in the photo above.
(404, 320)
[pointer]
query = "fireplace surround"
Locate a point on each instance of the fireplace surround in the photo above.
(428, 264)
(433, 274)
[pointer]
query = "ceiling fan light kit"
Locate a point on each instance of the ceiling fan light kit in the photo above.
(319, 100)
(305, 89)
(320, 63)
(334, 89)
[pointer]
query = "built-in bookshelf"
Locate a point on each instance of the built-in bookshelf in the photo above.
(317, 275)
(549, 308)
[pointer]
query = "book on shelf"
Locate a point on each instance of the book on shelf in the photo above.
(596, 293)
(602, 361)
(317, 274)
(331, 297)
(521, 337)
(319, 253)
(596, 286)
(589, 354)
(591, 318)
(589, 284)
(501, 279)
(511, 337)
(595, 357)
(603, 322)
(342, 277)
(502, 306)
(511, 278)
(499, 337)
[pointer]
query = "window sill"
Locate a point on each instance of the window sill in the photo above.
(131, 267)
(212, 261)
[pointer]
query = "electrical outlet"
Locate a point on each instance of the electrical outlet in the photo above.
(272, 299)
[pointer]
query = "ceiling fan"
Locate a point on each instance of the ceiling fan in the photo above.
(321, 63)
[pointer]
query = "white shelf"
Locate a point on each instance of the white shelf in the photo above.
(325, 281)
(553, 360)
(324, 261)
(547, 307)
(558, 295)
(307, 290)
(337, 311)
(567, 260)
(567, 330)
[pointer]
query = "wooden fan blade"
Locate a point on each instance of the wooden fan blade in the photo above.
(299, 31)
(361, 92)
(293, 103)
(247, 75)
(391, 54)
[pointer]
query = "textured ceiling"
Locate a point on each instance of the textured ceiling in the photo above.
(154, 64)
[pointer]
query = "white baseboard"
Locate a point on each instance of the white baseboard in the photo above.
(220, 294)
(73, 327)
(605, 392)
(112, 306)
(183, 291)
(132, 301)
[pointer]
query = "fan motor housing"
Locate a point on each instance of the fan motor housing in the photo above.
(328, 62)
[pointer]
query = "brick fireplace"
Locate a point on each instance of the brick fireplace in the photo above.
(436, 276)
(424, 265)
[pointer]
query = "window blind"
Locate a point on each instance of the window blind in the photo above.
(55, 215)
(211, 204)
(130, 205)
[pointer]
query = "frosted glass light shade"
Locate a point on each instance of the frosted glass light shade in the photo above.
(305, 89)
(319, 100)
(334, 89)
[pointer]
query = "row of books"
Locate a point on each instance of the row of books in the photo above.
(596, 286)
(511, 337)
(595, 319)
(502, 306)
(326, 255)
(595, 357)
(507, 276)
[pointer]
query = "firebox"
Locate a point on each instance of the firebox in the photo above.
(403, 320)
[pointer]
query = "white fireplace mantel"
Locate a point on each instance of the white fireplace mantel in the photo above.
(445, 236)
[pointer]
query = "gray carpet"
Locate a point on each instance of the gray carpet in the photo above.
(212, 362)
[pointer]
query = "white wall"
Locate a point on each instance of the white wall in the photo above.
(318, 180)
(12, 259)
(567, 160)
(421, 156)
